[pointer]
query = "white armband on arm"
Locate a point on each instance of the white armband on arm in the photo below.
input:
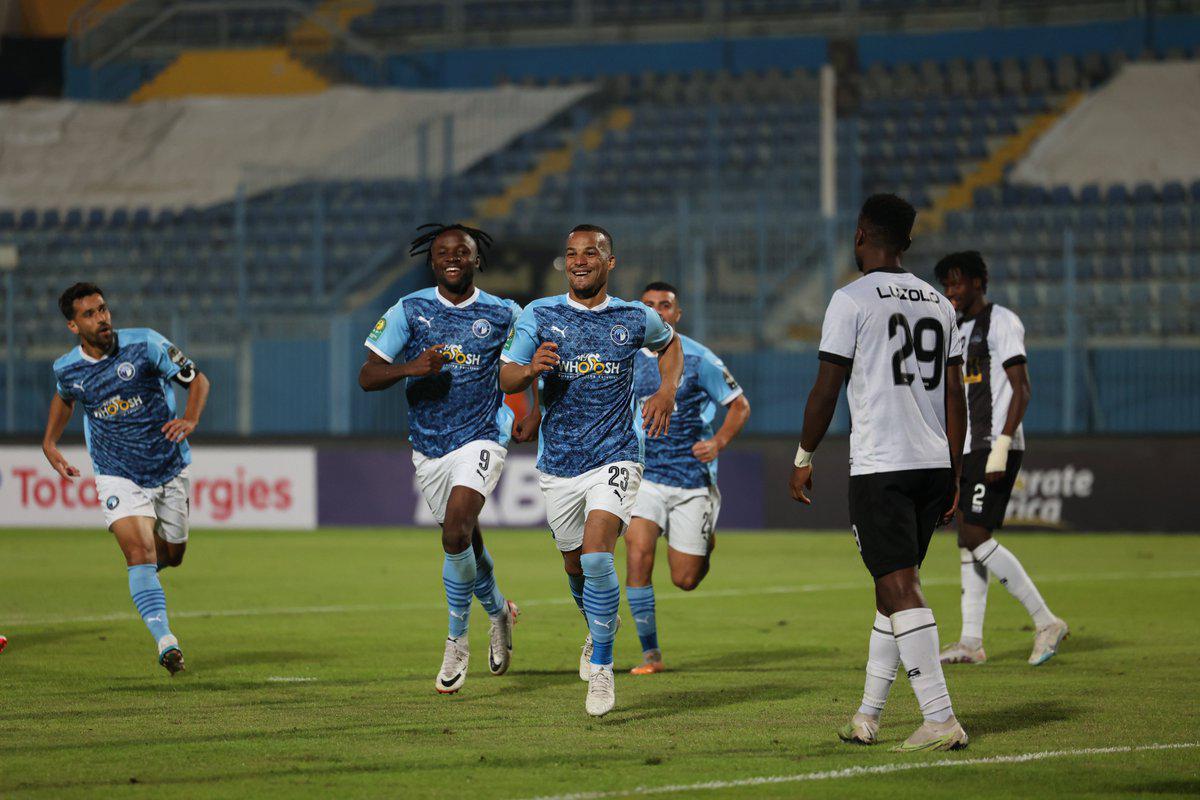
(803, 457)
(998, 459)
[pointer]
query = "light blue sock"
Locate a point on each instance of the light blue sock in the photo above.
(485, 584)
(148, 596)
(601, 596)
(458, 575)
(641, 606)
(576, 582)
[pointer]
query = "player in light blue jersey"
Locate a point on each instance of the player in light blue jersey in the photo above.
(678, 497)
(139, 448)
(590, 453)
(445, 342)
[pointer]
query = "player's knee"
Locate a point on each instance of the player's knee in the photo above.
(686, 581)
(137, 556)
(456, 533)
(971, 536)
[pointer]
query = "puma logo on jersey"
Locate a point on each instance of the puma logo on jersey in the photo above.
(561, 332)
(77, 385)
(428, 323)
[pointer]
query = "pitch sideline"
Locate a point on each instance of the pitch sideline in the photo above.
(879, 769)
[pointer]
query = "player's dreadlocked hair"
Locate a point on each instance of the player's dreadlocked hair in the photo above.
(969, 263)
(424, 242)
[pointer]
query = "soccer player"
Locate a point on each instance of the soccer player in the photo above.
(894, 338)
(138, 446)
(445, 341)
(678, 496)
(583, 345)
(998, 393)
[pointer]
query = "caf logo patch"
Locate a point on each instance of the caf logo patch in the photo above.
(112, 502)
(619, 334)
(481, 328)
(125, 371)
(377, 331)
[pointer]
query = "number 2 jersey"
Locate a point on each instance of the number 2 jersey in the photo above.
(994, 341)
(461, 402)
(897, 335)
(588, 418)
(126, 398)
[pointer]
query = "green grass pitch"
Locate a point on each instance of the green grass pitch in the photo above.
(311, 660)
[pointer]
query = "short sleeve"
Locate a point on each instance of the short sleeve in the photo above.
(522, 339)
(717, 381)
(1010, 340)
(168, 359)
(658, 333)
(390, 334)
(839, 332)
(63, 391)
(954, 345)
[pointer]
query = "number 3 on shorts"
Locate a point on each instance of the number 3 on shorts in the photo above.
(615, 472)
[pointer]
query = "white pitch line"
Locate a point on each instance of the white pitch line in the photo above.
(289, 679)
(802, 588)
(880, 769)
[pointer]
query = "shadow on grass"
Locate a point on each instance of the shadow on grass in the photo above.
(1184, 787)
(668, 704)
(40, 638)
(790, 659)
(1077, 643)
(1018, 717)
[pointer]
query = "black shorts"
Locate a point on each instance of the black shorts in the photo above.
(893, 515)
(984, 503)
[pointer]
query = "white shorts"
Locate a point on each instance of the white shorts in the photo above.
(476, 465)
(167, 504)
(610, 488)
(687, 517)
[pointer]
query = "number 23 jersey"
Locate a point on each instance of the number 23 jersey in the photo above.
(897, 335)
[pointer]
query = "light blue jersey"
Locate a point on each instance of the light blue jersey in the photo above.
(587, 401)
(462, 402)
(705, 384)
(127, 398)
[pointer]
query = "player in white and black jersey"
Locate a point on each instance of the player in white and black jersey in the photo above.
(998, 393)
(892, 338)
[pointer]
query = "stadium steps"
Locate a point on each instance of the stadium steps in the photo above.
(554, 162)
(265, 71)
(991, 171)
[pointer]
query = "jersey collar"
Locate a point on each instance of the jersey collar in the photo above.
(582, 307)
(116, 345)
(469, 301)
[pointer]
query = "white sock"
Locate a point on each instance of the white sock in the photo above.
(917, 639)
(974, 598)
(994, 556)
(883, 658)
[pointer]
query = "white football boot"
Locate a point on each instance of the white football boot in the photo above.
(948, 735)
(602, 691)
(500, 638)
(1046, 641)
(861, 729)
(964, 653)
(453, 673)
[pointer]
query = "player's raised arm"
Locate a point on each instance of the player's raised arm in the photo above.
(60, 414)
(524, 359)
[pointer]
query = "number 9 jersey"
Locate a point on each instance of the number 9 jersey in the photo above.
(896, 335)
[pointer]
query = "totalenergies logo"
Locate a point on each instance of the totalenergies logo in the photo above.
(590, 364)
(116, 406)
(454, 354)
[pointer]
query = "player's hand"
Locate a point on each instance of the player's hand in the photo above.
(948, 517)
(178, 429)
(656, 413)
(427, 363)
(527, 428)
(60, 463)
(545, 359)
(706, 450)
(801, 480)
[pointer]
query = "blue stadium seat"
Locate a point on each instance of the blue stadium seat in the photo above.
(1116, 194)
(1090, 195)
(1173, 192)
(1145, 193)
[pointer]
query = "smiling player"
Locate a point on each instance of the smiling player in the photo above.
(448, 340)
(590, 453)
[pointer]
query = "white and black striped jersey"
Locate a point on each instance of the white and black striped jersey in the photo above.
(897, 335)
(995, 341)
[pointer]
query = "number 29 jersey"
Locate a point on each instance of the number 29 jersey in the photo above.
(897, 335)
